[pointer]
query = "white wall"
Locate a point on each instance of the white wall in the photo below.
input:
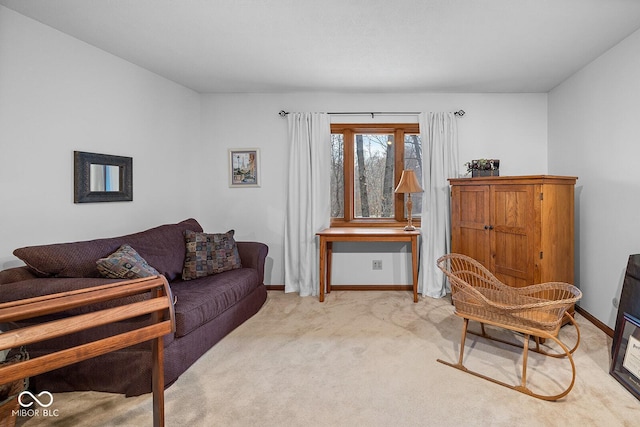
(58, 95)
(511, 127)
(594, 134)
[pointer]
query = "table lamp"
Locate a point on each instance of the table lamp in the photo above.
(409, 184)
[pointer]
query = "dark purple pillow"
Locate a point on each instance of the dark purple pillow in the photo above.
(162, 247)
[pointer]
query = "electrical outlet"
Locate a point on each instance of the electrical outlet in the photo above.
(377, 264)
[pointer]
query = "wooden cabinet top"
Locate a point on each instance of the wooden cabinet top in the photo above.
(523, 179)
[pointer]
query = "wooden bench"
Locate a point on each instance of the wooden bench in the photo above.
(159, 304)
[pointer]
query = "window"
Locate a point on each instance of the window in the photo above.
(366, 165)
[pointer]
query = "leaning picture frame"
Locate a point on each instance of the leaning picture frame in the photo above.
(244, 167)
(625, 364)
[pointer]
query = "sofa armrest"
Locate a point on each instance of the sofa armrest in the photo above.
(253, 255)
(16, 274)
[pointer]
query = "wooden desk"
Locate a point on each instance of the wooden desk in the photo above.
(360, 234)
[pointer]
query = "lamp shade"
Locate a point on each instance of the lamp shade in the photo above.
(408, 183)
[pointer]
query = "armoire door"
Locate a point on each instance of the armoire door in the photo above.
(512, 233)
(470, 222)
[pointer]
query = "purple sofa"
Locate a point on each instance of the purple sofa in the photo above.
(206, 308)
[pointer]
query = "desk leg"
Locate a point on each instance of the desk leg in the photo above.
(323, 273)
(329, 258)
(414, 263)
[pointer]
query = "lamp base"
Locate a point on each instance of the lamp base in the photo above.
(409, 228)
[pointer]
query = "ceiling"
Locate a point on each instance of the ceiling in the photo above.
(214, 46)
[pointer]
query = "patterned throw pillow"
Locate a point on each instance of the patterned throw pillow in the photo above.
(125, 263)
(207, 254)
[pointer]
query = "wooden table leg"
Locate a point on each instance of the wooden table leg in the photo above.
(323, 273)
(329, 258)
(414, 264)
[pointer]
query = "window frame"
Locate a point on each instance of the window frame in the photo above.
(348, 130)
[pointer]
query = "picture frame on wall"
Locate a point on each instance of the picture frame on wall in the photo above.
(244, 167)
(625, 365)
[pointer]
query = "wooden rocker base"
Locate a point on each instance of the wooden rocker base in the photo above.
(519, 388)
(528, 333)
(538, 340)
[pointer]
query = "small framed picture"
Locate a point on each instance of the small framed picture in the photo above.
(244, 167)
(625, 365)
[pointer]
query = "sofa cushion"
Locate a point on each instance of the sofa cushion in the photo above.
(125, 263)
(162, 247)
(203, 299)
(208, 254)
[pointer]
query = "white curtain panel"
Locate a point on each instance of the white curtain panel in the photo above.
(308, 207)
(439, 135)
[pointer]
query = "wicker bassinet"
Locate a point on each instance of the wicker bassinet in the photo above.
(537, 311)
(478, 293)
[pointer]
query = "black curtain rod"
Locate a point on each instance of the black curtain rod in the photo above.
(458, 113)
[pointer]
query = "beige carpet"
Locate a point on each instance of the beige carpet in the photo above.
(363, 359)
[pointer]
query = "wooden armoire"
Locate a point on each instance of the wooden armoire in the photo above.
(519, 227)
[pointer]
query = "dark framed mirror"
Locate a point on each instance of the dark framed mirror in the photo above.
(102, 178)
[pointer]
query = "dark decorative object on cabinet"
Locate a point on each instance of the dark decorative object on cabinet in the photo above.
(483, 167)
